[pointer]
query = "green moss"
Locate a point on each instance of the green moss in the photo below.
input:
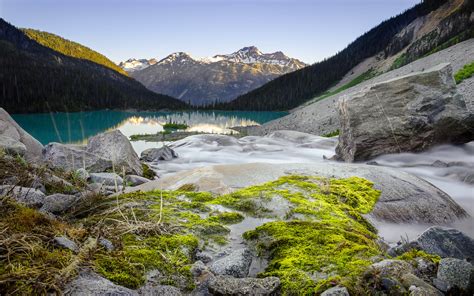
(175, 126)
(147, 172)
(227, 217)
(414, 253)
(333, 238)
(332, 134)
(466, 72)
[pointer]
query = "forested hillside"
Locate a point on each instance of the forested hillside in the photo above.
(293, 89)
(71, 48)
(35, 78)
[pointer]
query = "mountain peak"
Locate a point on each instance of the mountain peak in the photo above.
(176, 57)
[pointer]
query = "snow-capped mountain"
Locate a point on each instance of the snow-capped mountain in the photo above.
(131, 65)
(220, 78)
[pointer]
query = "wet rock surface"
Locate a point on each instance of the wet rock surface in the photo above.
(89, 283)
(157, 154)
(235, 264)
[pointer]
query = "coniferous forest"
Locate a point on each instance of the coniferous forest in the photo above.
(293, 89)
(35, 78)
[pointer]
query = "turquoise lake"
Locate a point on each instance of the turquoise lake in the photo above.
(78, 127)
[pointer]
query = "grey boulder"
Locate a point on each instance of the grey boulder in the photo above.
(236, 264)
(89, 283)
(407, 114)
(107, 179)
(73, 157)
(441, 241)
(135, 180)
(116, 147)
(28, 196)
(336, 291)
(455, 277)
(156, 154)
(159, 290)
(9, 128)
(227, 285)
(58, 203)
(12, 146)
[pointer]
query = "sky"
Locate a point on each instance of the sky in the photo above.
(309, 30)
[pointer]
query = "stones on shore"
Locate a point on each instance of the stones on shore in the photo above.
(157, 154)
(230, 286)
(236, 264)
(58, 203)
(89, 283)
(12, 146)
(455, 277)
(115, 147)
(406, 114)
(134, 180)
(106, 179)
(336, 291)
(27, 196)
(66, 243)
(9, 128)
(74, 157)
(441, 241)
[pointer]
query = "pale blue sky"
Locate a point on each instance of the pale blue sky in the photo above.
(305, 29)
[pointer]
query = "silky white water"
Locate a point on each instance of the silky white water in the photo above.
(449, 167)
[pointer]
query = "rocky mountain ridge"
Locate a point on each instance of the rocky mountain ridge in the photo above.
(203, 81)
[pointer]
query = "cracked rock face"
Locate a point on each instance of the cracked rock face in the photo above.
(407, 114)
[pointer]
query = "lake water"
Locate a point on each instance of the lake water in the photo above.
(79, 126)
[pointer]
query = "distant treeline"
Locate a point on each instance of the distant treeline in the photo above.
(291, 90)
(35, 78)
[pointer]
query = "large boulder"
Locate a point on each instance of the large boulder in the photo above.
(156, 154)
(404, 197)
(455, 277)
(116, 147)
(444, 242)
(73, 157)
(12, 146)
(406, 114)
(9, 128)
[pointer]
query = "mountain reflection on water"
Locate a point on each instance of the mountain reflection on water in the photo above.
(79, 126)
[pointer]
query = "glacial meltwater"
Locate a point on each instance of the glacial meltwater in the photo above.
(449, 167)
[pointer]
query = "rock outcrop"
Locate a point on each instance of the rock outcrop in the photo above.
(407, 114)
(73, 157)
(12, 146)
(9, 128)
(156, 154)
(226, 285)
(404, 198)
(116, 147)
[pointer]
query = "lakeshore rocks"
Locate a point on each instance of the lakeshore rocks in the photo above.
(156, 154)
(89, 283)
(116, 147)
(444, 242)
(404, 197)
(107, 179)
(230, 286)
(455, 277)
(336, 291)
(236, 264)
(27, 196)
(58, 203)
(135, 180)
(12, 146)
(74, 157)
(66, 243)
(9, 128)
(406, 114)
